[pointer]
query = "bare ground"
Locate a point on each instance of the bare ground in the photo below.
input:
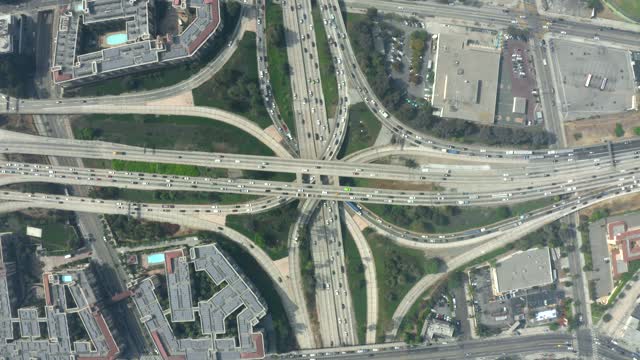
(617, 206)
(597, 130)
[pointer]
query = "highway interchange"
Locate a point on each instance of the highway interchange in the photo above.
(591, 174)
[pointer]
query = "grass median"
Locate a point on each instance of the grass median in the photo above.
(236, 87)
(448, 219)
(185, 133)
(357, 283)
(397, 270)
(268, 230)
(325, 63)
(362, 130)
(278, 63)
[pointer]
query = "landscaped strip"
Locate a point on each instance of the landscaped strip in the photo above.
(449, 219)
(236, 87)
(357, 283)
(362, 130)
(278, 63)
(325, 63)
(397, 270)
(268, 230)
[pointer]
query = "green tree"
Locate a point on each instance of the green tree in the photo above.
(607, 317)
(275, 35)
(619, 131)
(411, 163)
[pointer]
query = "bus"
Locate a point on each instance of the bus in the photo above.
(604, 84)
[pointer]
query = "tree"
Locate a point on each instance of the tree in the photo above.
(554, 326)
(619, 131)
(411, 163)
(607, 317)
(275, 35)
(89, 133)
(372, 13)
(594, 4)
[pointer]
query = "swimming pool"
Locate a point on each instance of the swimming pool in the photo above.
(67, 278)
(155, 258)
(116, 39)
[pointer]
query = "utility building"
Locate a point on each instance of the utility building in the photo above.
(466, 76)
(522, 270)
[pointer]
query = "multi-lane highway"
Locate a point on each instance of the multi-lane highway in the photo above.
(489, 176)
(314, 129)
(623, 179)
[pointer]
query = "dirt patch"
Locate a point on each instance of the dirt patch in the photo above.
(182, 99)
(18, 123)
(599, 129)
(616, 206)
(273, 132)
(283, 266)
(184, 231)
(362, 224)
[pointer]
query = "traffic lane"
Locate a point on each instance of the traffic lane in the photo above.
(549, 343)
(268, 163)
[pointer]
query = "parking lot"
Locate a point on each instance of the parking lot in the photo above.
(517, 79)
(573, 62)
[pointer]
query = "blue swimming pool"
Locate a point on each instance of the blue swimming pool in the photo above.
(116, 39)
(67, 278)
(155, 258)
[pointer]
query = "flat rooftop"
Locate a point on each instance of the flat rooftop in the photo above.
(523, 270)
(236, 295)
(29, 343)
(466, 76)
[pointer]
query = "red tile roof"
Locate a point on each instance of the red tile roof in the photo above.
(213, 25)
(259, 353)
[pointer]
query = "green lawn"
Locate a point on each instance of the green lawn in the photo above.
(357, 283)
(362, 130)
(451, 218)
(159, 78)
(268, 230)
(236, 87)
(176, 197)
(169, 132)
(397, 270)
(630, 8)
(277, 64)
(57, 238)
(327, 70)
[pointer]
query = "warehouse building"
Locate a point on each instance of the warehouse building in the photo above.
(128, 40)
(466, 76)
(522, 270)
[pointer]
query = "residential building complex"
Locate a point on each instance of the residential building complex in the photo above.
(58, 344)
(234, 299)
(97, 39)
